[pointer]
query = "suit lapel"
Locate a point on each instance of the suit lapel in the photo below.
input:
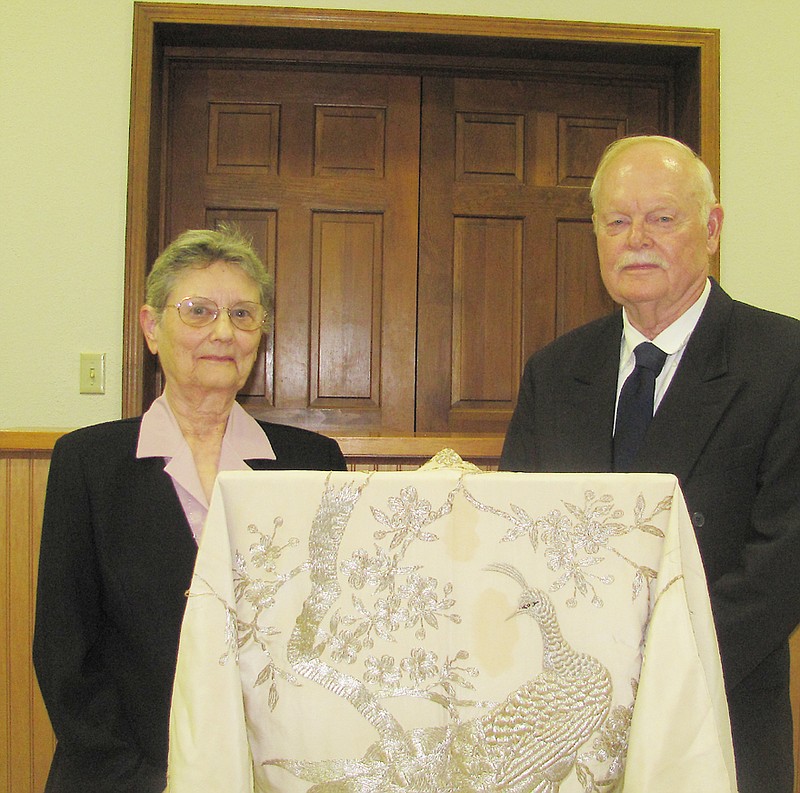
(155, 525)
(587, 413)
(698, 396)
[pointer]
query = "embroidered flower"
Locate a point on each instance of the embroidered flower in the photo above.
(390, 615)
(410, 516)
(420, 666)
(424, 604)
(376, 571)
(261, 593)
(344, 646)
(381, 671)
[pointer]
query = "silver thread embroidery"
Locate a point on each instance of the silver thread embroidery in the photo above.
(574, 540)
(529, 742)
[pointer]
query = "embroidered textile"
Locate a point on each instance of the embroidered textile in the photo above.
(448, 631)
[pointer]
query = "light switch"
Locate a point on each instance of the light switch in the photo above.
(93, 373)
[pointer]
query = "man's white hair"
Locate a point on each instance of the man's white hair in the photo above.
(704, 184)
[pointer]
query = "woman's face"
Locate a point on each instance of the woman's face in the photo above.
(215, 358)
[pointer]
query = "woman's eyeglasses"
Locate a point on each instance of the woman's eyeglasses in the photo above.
(200, 311)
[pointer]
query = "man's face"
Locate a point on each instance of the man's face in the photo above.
(653, 242)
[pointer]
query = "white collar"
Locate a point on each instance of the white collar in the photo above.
(674, 337)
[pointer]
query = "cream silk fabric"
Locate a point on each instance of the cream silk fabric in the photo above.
(448, 631)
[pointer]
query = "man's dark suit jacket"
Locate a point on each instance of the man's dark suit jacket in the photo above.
(116, 561)
(729, 429)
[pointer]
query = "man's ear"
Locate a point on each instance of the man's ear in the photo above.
(715, 218)
(148, 319)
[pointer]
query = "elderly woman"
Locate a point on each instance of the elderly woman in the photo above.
(126, 501)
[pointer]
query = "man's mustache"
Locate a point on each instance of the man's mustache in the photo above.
(632, 258)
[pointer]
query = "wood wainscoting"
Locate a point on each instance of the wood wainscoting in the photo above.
(26, 739)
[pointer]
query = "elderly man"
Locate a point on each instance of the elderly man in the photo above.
(687, 381)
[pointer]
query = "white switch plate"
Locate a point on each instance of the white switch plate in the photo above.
(93, 373)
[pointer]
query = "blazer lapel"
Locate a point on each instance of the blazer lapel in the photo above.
(699, 394)
(587, 411)
(159, 512)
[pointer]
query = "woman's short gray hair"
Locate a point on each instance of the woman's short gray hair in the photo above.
(201, 248)
(704, 182)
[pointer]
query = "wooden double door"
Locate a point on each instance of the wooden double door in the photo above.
(426, 233)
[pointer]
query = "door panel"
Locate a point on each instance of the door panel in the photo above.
(487, 269)
(346, 286)
(322, 170)
(507, 254)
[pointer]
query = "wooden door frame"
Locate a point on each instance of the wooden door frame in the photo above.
(160, 25)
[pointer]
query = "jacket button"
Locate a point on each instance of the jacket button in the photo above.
(698, 520)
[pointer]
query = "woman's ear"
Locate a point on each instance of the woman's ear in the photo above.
(148, 319)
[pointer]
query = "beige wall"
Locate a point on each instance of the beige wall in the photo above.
(64, 98)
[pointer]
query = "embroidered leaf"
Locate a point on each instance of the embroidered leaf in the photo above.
(663, 505)
(589, 561)
(272, 699)
(449, 690)
(359, 606)
(638, 583)
(462, 681)
(514, 532)
(397, 539)
(380, 629)
(267, 673)
(616, 529)
(650, 529)
(520, 514)
(559, 582)
(380, 516)
(360, 629)
(333, 624)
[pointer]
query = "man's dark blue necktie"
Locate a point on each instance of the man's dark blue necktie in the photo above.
(635, 407)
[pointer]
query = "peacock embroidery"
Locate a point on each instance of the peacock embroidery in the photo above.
(528, 743)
